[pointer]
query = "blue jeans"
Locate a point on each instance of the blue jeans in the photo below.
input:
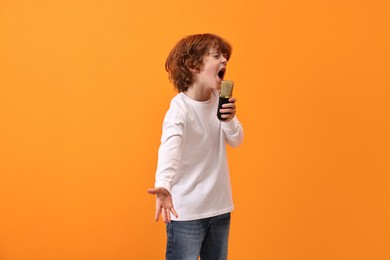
(207, 238)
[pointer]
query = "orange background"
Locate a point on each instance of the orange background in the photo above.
(83, 95)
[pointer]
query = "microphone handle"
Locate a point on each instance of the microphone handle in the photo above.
(221, 101)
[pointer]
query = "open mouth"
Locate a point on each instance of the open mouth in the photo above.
(221, 73)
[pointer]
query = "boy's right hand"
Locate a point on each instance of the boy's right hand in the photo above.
(164, 204)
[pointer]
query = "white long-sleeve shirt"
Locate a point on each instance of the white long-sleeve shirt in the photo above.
(192, 161)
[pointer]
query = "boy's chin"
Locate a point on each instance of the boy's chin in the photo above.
(217, 86)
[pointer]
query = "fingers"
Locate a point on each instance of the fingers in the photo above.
(164, 204)
(168, 216)
(164, 215)
(228, 116)
(229, 107)
(152, 191)
(174, 212)
(157, 213)
(228, 110)
(156, 191)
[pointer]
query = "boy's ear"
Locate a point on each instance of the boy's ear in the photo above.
(193, 69)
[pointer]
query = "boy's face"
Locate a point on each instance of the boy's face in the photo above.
(213, 70)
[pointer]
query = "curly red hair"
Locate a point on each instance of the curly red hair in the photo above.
(189, 53)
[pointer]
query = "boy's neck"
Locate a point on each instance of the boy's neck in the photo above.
(198, 94)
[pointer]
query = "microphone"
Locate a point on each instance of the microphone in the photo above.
(224, 96)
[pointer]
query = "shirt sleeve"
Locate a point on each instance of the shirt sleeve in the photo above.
(234, 133)
(169, 152)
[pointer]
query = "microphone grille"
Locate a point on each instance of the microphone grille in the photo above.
(227, 88)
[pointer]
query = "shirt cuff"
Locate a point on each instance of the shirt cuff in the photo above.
(163, 184)
(231, 126)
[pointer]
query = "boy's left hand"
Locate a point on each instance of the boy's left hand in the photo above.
(228, 110)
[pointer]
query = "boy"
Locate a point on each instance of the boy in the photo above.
(192, 174)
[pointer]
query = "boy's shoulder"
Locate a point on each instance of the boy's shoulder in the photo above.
(177, 105)
(178, 100)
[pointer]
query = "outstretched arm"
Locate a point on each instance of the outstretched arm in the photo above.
(164, 204)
